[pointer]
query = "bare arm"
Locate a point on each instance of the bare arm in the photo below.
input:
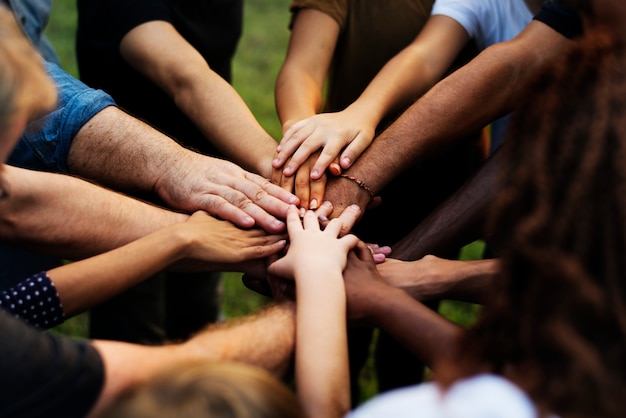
(468, 99)
(86, 283)
(403, 79)
(122, 152)
(434, 278)
(372, 301)
(300, 82)
(158, 51)
(316, 259)
(78, 215)
(265, 340)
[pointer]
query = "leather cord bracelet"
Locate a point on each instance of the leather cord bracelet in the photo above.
(360, 183)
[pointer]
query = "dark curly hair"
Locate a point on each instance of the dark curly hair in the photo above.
(556, 323)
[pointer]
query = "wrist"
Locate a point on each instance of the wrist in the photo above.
(360, 183)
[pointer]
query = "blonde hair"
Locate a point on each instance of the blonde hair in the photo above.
(209, 390)
(24, 83)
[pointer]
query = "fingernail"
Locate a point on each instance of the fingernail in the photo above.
(315, 174)
(346, 160)
(322, 218)
(313, 204)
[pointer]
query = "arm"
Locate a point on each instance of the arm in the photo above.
(468, 99)
(370, 300)
(300, 82)
(433, 278)
(79, 215)
(158, 51)
(265, 340)
(299, 94)
(404, 78)
(91, 281)
(115, 149)
(316, 259)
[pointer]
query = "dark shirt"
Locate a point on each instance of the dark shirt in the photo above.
(42, 375)
(213, 27)
(562, 18)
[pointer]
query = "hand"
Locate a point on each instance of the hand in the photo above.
(379, 253)
(225, 190)
(343, 192)
(310, 192)
(311, 248)
(364, 284)
(218, 241)
(435, 278)
(330, 132)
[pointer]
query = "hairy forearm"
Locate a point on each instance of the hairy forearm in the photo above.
(264, 340)
(122, 152)
(81, 219)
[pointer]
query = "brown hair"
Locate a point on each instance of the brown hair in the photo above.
(556, 324)
(209, 390)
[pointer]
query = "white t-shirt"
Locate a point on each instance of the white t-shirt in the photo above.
(482, 396)
(488, 22)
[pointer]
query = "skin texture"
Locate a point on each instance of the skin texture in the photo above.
(316, 259)
(265, 340)
(344, 135)
(468, 99)
(197, 90)
(373, 302)
(183, 179)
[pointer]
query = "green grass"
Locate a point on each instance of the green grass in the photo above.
(256, 64)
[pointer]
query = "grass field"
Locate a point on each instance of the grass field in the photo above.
(260, 54)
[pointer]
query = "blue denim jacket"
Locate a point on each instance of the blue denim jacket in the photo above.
(32, 15)
(46, 141)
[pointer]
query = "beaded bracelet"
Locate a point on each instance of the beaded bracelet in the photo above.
(360, 183)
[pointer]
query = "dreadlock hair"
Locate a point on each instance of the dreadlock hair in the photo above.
(556, 323)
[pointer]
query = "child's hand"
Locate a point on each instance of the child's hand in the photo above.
(312, 249)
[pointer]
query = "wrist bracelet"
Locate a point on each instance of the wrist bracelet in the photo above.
(360, 183)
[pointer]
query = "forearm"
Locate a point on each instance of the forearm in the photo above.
(434, 278)
(459, 219)
(122, 152)
(487, 87)
(322, 380)
(231, 126)
(298, 97)
(82, 219)
(428, 335)
(264, 340)
(87, 283)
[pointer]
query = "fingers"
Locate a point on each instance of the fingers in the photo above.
(354, 151)
(334, 168)
(349, 217)
(317, 190)
(303, 187)
(329, 154)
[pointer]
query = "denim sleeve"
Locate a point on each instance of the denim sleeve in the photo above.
(46, 142)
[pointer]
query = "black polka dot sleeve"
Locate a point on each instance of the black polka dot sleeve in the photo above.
(35, 301)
